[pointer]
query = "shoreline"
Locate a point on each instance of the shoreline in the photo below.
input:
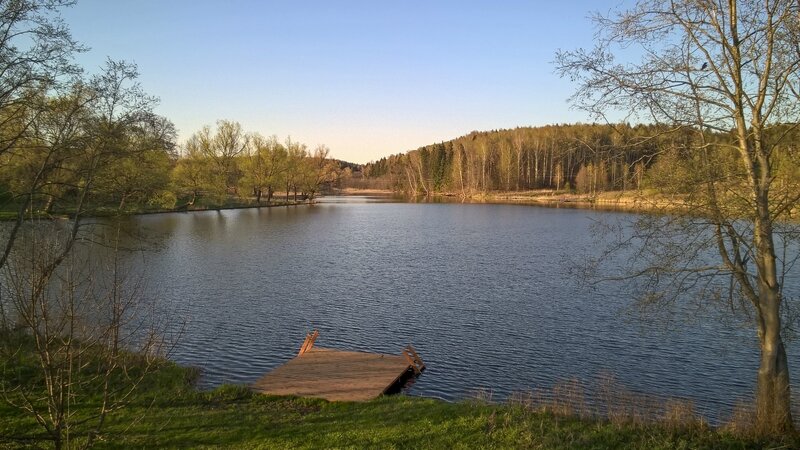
(628, 201)
(358, 191)
(227, 207)
(66, 216)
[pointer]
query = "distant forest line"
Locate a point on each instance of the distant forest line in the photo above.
(582, 158)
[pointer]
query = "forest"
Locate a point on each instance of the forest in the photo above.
(582, 158)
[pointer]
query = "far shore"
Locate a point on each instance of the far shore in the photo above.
(359, 191)
(612, 200)
(617, 200)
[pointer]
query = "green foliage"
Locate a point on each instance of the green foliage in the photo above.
(92, 145)
(671, 173)
(136, 179)
(264, 168)
(255, 171)
(162, 200)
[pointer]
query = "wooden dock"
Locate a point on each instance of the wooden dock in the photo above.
(339, 375)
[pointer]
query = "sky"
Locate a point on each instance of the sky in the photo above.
(366, 78)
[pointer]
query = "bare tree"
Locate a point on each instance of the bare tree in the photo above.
(87, 333)
(725, 75)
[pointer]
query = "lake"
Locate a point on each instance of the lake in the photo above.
(482, 291)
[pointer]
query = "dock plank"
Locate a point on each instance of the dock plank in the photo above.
(335, 375)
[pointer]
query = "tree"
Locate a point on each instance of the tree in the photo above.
(141, 172)
(191, 174)
(725, 74)
(506, 164)
(317, 169)
(74, 139)
(36, 50)
(264, 166)
(222, 148)
(64, 316)
(296, 154)
(458, 169)
(82, 327)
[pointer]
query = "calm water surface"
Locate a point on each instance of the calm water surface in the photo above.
(480, 290)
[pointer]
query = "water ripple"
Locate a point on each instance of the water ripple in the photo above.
(479, 290)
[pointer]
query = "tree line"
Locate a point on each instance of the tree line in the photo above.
(230, 162)
(78, 152)
(583, 158)
(580, 156)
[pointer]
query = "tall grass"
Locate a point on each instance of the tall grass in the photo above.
(608, 400)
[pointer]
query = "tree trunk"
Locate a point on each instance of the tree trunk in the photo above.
(412, 182)
(48, 205)
(483, 172)
(461, 173)
(773, 406)
(773, 394)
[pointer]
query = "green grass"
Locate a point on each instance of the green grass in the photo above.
(168, 413)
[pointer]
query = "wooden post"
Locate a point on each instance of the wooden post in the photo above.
(410, 360)
(309, 342)
(417, 358)
(413, 359)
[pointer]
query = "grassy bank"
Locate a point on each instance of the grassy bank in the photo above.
(168, 413)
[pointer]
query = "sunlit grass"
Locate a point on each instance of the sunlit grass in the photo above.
(168, 412)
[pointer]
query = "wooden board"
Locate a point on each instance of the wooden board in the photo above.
(334, 375)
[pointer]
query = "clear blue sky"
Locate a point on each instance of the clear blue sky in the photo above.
(366, 78)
